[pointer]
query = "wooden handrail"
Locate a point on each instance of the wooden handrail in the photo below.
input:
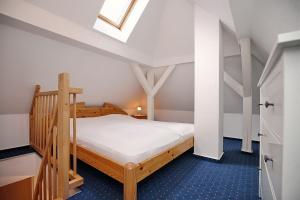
(76, 90)
(50, 137)
(55, 92)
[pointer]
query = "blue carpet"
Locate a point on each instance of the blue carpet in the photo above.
(188, 177)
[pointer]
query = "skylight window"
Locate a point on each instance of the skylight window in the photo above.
(117, 18)
(115, 12)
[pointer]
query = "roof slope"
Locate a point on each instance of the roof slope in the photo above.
(263, 20)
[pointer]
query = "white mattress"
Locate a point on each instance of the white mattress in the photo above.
(126, 139)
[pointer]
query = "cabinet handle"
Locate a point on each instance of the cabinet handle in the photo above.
(267, 159)
(260, 134)
(267, 104)
(260, 104)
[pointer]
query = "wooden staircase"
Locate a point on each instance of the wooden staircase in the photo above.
(46, 184)
(50, 137)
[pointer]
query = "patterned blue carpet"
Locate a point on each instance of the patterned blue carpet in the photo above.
(188, 177)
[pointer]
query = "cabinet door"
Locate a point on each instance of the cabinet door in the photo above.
(266, 184)
(271, 159)
(272, 92)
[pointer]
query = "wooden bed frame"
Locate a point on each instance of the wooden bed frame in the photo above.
(130, 173)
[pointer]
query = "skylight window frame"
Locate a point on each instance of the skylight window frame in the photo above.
(123, 20)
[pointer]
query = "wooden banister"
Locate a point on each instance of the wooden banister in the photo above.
(55, 92)
(63, 125)
(45, 187)
(74, 146)
(50, 137)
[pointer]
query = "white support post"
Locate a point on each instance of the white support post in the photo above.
(209, 83)
(148, 83)
(245, 45)
(141, 78)
(150, 98)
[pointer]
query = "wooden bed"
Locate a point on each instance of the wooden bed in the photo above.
(130, 173)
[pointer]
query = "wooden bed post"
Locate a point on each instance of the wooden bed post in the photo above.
(130, 182)
(63, 135)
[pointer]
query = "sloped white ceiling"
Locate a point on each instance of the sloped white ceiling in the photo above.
(73, 22)
(164, 33)
(164, 25)
(263, 20)
(85, 14)
(145, 35)
(219, 8)
(81, 12)
(175, 42)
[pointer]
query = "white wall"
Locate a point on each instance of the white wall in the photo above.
(174, 116)
(14, 131)
(233, 125)
(177, 93)
(28, 58)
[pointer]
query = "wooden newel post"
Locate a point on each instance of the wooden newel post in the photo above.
(63, 135)
(130, 182)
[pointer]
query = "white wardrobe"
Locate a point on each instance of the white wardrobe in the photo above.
(280, 121)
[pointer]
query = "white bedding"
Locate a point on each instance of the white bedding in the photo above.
(126, 139)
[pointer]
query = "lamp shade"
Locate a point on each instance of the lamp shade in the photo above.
(139, 108)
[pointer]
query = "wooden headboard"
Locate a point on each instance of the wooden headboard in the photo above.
(83, 111)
